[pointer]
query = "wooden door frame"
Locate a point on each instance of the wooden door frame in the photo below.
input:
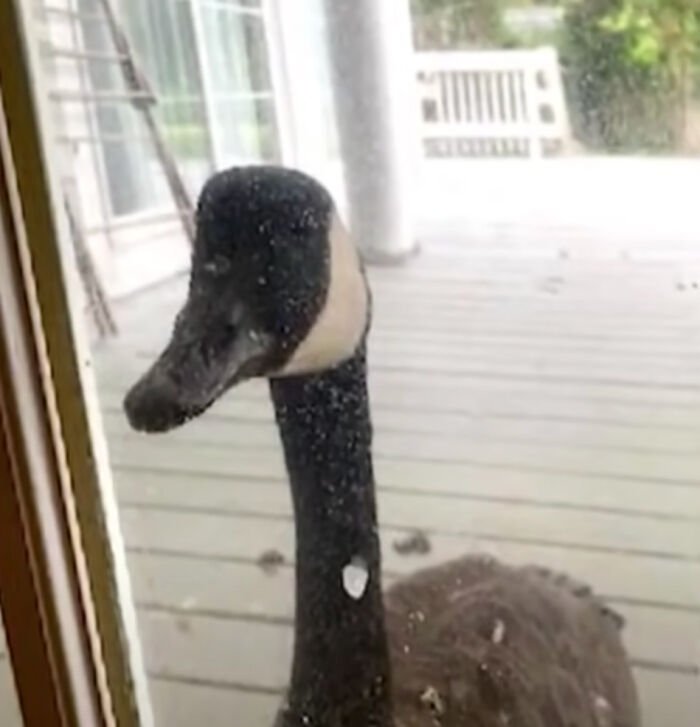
(64, 588)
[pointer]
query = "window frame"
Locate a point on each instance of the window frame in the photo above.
(65, 594)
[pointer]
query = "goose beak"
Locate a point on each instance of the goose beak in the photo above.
(200, 363)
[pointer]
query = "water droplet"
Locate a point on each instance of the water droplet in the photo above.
(189, 603)
(356, 577)
(417, 616)
(602, 706)
(431, 698)
(499, 632)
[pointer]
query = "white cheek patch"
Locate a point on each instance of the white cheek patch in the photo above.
(341, 323)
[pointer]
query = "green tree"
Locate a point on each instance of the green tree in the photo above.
(629, 66)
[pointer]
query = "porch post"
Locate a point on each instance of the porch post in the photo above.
(372, 62)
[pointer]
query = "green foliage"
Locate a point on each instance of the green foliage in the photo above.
(656, 32)
(629, 64)
(191, 141)
(455, 24)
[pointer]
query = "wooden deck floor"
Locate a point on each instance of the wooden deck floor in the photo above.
(539, 409)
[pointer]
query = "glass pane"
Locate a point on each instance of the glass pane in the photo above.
(243, 105)
(164, 40)
(247, 129)
(125, 151)
(9, 707)
(532, 369)
(236, 50)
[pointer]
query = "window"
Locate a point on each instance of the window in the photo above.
(478, 481)
(164, 41)
(226, 116)
(129, 167)
(241, 98)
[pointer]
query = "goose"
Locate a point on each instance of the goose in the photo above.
(278, 290)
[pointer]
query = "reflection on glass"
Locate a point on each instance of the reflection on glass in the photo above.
(533, 372)
(250, 127)
(242, 103)
(164, 39)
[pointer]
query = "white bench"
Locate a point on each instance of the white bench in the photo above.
(492, 103)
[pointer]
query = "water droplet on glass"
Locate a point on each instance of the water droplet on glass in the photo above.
(417, 616)
(355, 577)
(602, 707)
(431, 698)
(499, 632)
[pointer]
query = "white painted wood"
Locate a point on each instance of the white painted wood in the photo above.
(504, 94)
(375, 98)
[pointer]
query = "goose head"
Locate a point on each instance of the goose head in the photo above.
(276, 289)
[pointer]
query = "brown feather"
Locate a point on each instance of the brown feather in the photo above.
(476, 643)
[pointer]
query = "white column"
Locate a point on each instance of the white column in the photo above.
(372, 60)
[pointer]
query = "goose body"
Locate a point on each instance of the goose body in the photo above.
(477, 642)
(277, 291)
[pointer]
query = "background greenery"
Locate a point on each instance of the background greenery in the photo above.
(631, 67)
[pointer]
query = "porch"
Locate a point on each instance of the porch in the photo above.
(568, 435)
(567, 354)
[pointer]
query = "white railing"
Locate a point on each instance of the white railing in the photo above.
(492, 103)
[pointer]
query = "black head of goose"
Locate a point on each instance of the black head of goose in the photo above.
(277, 290)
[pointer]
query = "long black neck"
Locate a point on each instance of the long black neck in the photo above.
(340, 672)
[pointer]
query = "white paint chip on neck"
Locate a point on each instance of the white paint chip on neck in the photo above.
(341, 323)
(356, 577)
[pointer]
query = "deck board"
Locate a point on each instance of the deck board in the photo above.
(655, 635)
(614, 527)
(671, 581)
(666, 700)
(255, 428)
(238, 459)
(538, 409)
(515, 415)
(629, 533)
